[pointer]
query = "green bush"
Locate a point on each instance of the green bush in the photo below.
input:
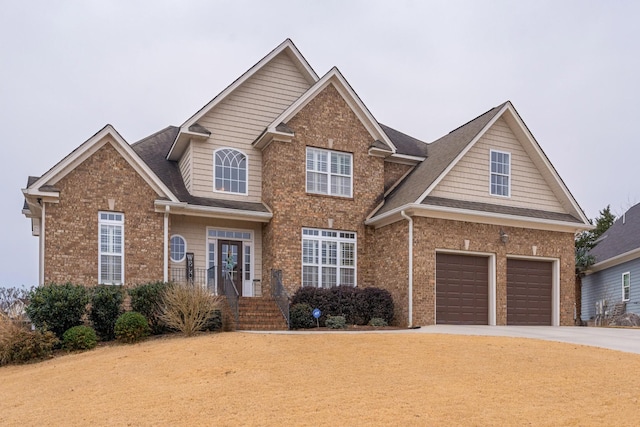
(378, 322)
(336, 322)
(57, 308)
(106, 307)
(357, 305)
(301, 317)
(147, 300)
(18, 344)
(215, 322)
(79, 338)
(131, 327)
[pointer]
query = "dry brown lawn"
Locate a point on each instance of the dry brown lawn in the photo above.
(327, 379)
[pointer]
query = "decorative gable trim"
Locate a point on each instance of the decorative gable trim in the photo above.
(287, 46)
(530, 145)
(43, 187)
(335, 78)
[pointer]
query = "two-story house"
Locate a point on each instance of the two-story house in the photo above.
(288, 171)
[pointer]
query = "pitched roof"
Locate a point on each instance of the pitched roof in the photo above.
(404, 143)
(441, 153)
(153, 150)
(622, 237)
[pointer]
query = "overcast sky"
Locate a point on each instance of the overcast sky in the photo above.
(571, 69)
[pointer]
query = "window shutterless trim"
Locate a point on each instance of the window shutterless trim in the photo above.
(236, 154)
(184, 250)
(628, 286)
(501, 174)
(315, 241)
(332, 178)
(114, 219)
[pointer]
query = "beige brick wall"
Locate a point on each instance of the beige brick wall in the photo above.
(327, 117)
(71, 229)
(393, 172)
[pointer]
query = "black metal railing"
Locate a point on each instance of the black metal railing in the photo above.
(280, 294)
(228, 289)
(200, 276)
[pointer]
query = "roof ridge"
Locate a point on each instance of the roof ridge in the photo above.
(154, 134)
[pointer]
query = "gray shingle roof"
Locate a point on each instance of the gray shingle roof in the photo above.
(404, 143)
(153, 150)
(440, 155)
(623, 236)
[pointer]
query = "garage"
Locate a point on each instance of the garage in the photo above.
(462, 289)
(529, 288)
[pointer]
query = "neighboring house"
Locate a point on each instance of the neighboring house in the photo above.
(288, 171)
(613, 279)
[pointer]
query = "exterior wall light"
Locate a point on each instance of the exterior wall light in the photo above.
(504, 237)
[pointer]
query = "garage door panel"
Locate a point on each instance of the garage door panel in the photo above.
(529, 286)
(462, 289)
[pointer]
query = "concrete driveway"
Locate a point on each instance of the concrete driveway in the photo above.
(627, 340)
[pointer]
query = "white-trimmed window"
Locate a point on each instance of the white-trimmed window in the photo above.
(500, 184)
(329, 172)
(626, 286)
(230, 171)
(111, 248)
(178, 248)
(328, 258)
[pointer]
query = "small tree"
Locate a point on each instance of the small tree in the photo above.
(586, 240)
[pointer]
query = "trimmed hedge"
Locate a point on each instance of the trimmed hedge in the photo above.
(131, 327)
(301, 317)
(357, 305)
(79, 338)
(57, 308)
(106, 307)
(146, 299)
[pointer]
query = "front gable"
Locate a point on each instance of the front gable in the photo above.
(469, 179)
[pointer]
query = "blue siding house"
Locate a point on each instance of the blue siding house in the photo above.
(614, 278)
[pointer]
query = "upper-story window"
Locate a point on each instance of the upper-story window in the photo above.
(500, 184)
(111, 248)
(329, 172)
(230, 171)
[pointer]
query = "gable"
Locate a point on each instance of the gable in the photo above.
(469, 179)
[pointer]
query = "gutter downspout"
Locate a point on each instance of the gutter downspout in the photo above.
(165, 267)
(408, 218)
(42, 246)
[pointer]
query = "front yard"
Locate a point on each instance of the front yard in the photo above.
(326, 379)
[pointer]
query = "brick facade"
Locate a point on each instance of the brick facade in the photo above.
(393, 172)
(326, 122)
(431, 235)
(71, 226)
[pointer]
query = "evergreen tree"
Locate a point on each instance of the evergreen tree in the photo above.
(586, 240)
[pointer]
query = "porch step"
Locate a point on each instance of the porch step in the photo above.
(260, 314)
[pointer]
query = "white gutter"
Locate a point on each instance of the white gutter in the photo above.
(408, 218)
(212, 212)
(165, 267)
(41, 249)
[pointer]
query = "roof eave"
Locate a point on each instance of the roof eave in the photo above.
(613, 261)
(210, 211)
(456, 214)
(182, 141)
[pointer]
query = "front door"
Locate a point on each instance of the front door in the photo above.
(230, 262)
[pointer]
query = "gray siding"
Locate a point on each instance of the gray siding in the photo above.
(607, 284)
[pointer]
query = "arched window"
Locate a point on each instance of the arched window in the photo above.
(230, 171)
(178, 248)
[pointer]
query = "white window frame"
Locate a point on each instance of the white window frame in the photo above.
(340, 238)
(330, 175)
(493, 173)
(111, 219)
(184, 243)
(246, 172)
(626, 286)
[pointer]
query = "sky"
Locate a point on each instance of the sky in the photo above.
(571, 69)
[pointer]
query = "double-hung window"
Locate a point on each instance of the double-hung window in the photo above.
(626, 286)
(329, 172)
(230, 171)
(328, 258)
(500, 184)
(111, 248)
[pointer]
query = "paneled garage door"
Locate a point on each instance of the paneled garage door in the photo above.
(529, 285)
(462, 289)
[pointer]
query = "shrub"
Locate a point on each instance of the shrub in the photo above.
(188, 308)
(216, 321)
(106, 307)
(336, 322)
(18, 344)
(147, 299)
(378, 322)
(79, 338)
(301, 317)
(57, 307)
(357, 305)
(131, 327)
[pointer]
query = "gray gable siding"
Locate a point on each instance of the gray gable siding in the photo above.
(607, 284)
